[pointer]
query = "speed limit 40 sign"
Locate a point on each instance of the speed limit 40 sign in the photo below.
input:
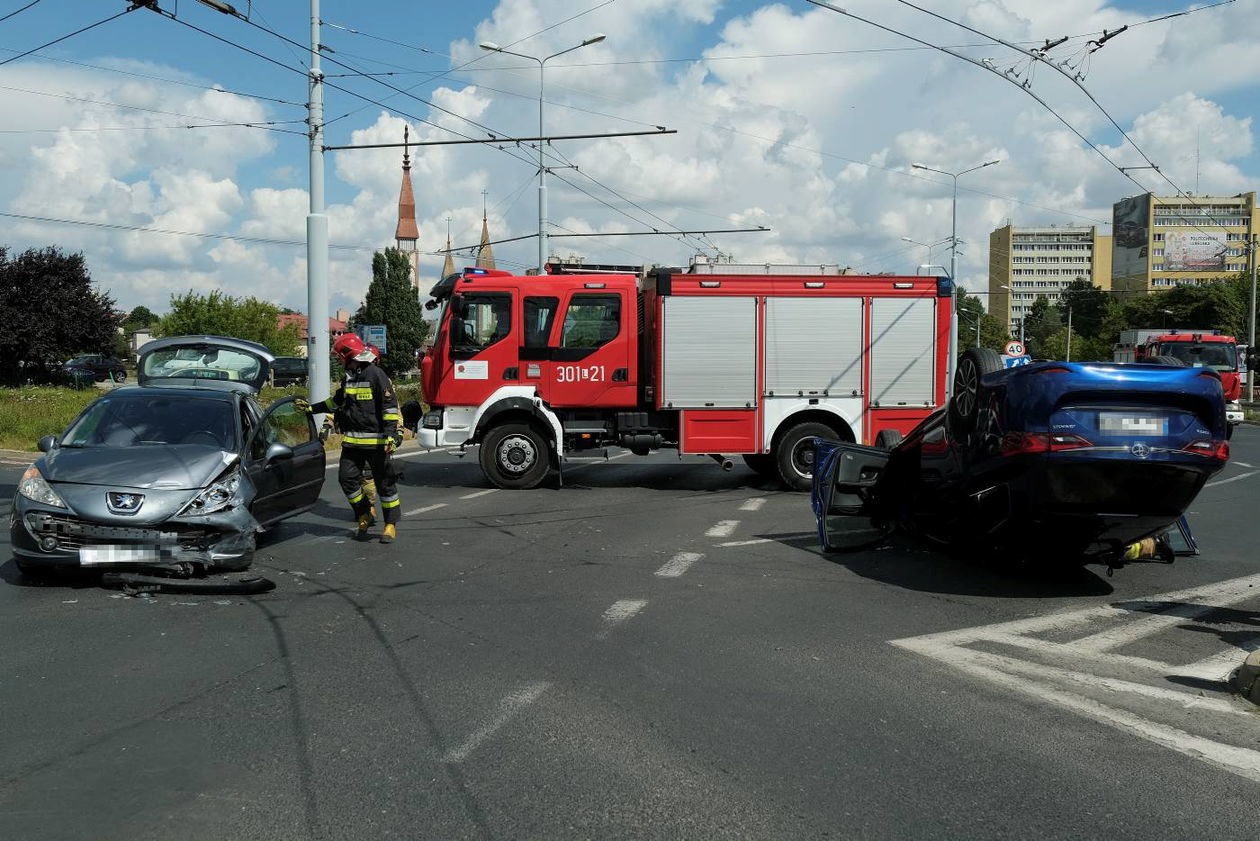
(1015, 348)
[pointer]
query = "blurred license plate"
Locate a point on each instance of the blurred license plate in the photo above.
(1120, 423)
(89, 555)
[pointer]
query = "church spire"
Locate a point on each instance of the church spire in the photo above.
(406, 232)
(485, 254)
(448, 268)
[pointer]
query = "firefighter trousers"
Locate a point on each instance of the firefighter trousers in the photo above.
(350, 476)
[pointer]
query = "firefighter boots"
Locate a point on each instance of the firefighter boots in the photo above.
(390, 532)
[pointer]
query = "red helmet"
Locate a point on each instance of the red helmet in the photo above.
(347, 347)
(375, 351)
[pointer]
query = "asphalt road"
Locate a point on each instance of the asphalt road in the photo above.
(655, 650)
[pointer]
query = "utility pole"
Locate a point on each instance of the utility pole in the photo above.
(953, 266)
(1069, 338)
(1251, 336)
(316, 233)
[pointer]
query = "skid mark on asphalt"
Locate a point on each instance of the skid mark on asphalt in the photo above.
(509, 708)
(619, 613)
(724, 528)
(1071, 660)
(678, 564)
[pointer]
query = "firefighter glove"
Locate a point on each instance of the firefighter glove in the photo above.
(303, 405)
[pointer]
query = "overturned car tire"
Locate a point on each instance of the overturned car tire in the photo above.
(964, 403)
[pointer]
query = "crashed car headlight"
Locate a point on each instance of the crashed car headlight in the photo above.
(34, 487)
(220, 495)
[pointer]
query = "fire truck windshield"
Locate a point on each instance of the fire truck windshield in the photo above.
(1218, 356)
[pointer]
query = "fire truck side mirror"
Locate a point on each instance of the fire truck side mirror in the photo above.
(459, 307)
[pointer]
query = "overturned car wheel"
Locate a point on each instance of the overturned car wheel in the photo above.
(964, 404)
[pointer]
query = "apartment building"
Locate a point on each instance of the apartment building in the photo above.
(1038, 262)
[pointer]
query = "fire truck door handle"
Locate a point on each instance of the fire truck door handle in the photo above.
(621, 375)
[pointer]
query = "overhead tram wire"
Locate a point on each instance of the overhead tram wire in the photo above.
(1035, 58)
(78, 129)
(19, 11)
(125, 106)
(67, 36)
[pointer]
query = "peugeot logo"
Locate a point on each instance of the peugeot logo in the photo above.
(1140, 449)
(123, 503)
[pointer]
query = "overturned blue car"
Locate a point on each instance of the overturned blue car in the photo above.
(1054, 461)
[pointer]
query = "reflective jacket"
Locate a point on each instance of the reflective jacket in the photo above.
(365, 408)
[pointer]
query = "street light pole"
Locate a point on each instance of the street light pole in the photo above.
(1069, 336)
(316, 233)
(953, 264)
(542, 164)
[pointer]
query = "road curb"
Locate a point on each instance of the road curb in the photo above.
(1247, 678)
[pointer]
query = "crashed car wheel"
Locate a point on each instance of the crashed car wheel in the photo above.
(964, 404)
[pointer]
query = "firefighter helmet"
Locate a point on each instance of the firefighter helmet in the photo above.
(348, 347)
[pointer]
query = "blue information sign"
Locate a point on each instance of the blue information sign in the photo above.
(1016, 361)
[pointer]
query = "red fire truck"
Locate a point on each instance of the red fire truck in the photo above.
(711, 363)
(1196, 348)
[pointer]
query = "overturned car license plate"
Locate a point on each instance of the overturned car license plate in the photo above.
(90, 555)
(1121, 423)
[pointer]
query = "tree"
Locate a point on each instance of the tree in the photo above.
(1089, 304)
(139, 318)
(217, 314)
(392, 300)
(993, 332)
(1040, 324)
(53, 310)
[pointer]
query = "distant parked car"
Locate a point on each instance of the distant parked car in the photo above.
(101, 367)
(288, 370)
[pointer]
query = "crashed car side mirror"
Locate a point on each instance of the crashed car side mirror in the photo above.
(278, 452)
(47, 443)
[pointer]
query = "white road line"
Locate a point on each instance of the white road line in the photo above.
(724, 528)
(479, 493)
(508, 709)
(619, 613)
(1149, 625)
(1218, 666)
(678, 564)
(1231, 479)
(408, 454)
(1035, 670)
(753, 504)
(747, 542)
(1242, 464)
(1241, 761)
(1072, 652)
(435, 506)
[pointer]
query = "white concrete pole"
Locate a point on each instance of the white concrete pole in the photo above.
(316, 233)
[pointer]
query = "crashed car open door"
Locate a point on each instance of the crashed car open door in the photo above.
(285, 461)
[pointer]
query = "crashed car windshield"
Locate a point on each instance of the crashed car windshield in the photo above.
(145, 419)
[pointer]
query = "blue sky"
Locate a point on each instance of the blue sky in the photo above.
(816, 147)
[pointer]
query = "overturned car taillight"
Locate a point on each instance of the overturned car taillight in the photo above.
(1020, 443)
(1208, 449)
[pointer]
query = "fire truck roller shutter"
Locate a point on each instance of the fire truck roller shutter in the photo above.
(903, 352)
(709, 352)
(814, 346)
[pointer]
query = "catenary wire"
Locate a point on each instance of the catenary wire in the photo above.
(19, 11)
(69, 35)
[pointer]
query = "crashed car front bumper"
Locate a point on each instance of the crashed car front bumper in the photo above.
(58, 538)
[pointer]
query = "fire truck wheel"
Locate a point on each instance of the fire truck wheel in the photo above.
(795, 454)
(514, 455)
(762, 464)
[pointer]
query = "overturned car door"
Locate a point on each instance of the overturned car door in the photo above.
(842, 496)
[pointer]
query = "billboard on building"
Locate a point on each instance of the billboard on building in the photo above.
(1194, 251)
(1131, 233)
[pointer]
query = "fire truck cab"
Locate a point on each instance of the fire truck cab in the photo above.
(1193, 348)
(709, 363)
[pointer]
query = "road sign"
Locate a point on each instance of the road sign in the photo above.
(1016, 361)
(1014, 348)
(375, 334)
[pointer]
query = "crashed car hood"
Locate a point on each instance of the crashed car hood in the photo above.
(154, 467)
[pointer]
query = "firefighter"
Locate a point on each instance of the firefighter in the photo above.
(367, 412)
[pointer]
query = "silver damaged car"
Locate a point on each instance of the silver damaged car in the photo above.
(183, 470)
